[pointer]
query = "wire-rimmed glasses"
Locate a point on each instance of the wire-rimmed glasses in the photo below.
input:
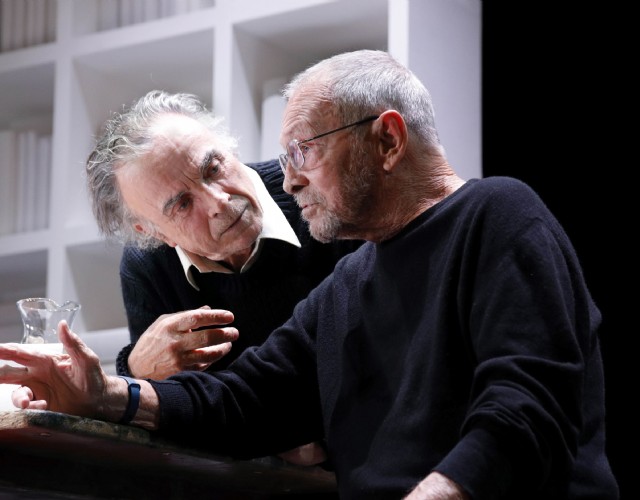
(294, 153)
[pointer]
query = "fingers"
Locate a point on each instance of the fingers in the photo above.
(12, 373)
(192, 329)
(214, 336)
(201, 359)
(197, 318)
(209, 337)
(186, 321)
(37, 405)
(22, 397)
(206, 346)
(212, 353)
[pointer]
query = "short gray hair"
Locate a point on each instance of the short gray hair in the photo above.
(368, 82)
(125, 137)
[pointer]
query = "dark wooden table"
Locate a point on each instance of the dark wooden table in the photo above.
(53, 455)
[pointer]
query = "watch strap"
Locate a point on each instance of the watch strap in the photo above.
(133, 387)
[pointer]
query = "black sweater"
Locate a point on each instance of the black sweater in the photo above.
(466, 344)
(262, 298)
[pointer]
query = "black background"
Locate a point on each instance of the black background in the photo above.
(553, 112)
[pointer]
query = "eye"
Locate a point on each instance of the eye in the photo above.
(211, 167)
(211, 171)
(183, 204)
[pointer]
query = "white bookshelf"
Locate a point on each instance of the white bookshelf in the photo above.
(229, 52)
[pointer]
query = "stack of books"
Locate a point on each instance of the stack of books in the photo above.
(116, 13)
(25, 167)
(24, 23)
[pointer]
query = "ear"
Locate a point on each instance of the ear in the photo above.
(141, 229)
(393, 137)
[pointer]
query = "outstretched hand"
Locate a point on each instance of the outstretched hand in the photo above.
(73, 382)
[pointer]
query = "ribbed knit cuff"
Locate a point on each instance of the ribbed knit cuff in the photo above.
(122, 361)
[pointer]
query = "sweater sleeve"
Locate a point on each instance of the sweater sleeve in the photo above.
(139, 297)
(532, 334)
(152, 284)
(266, 402)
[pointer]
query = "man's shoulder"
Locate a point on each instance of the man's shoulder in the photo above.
(134, 256)
(504, 204)
(500, 185)
(499, 192)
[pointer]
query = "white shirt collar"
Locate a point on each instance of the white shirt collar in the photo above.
(274, 226)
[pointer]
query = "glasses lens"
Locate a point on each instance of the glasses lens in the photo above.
(284, 159)
(297, 159)
(293, 156)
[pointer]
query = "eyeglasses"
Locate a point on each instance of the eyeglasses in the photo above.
(294, 153)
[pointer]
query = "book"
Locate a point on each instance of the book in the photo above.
(167, 8)
(29, 23)
(6, 25)
(21, 182)
(26, 180)
(8, 181)
(37, 15)
(181, 6)
(50, 20)
(137, 9)
(108, 12)
(42, 182)
(19, 24)
(151, 10)
(125, 13)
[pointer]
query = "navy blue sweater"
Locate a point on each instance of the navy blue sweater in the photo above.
(153, 281)
(466, 344)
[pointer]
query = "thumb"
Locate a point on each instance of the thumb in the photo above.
(65, 334)
(71, 341)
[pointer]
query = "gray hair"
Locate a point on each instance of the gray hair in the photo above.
(368, 82)
(125, 137)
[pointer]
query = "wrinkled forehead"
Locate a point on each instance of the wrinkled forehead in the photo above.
(176, 127)
(175, 142)
(178, 139)
(306, 114)
(167, 166)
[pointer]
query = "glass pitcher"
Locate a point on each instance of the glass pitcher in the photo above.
(40, 318)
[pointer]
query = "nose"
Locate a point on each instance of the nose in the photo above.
(294, 180)
(215, 199)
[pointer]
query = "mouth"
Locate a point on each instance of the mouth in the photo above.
(307, 208)
(308, 205)
(234, 223)
(304, 204)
